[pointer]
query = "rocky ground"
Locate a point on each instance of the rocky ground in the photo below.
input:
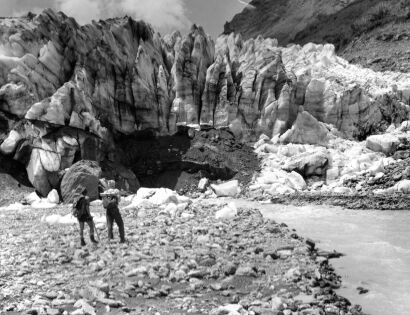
(393, 174)
(11, 190)
(189, 264)
(358, 201)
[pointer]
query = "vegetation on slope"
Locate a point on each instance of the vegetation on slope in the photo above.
(373, 33)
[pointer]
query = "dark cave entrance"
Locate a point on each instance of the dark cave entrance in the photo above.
(178, 162)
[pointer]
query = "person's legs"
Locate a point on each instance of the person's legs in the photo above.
(82, 233)
(109, 225)
(92, 227)
(120, 224)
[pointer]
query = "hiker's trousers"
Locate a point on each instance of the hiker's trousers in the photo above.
(113, 214)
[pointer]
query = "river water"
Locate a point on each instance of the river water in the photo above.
(376, 245)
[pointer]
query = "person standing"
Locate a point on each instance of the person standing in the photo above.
(81, 210)
(110, 203)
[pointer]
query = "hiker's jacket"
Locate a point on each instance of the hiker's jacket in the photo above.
(83, 208)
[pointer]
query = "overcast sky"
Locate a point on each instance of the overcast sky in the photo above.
(165, 15)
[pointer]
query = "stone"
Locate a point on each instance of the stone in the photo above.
(228, 189)
(53, 311)
(53, 197)
(228, 212)
(403, 186)
(308, 164)
(83, 174)
(203, 184)
(231, 309)
(92, 294)
(31, 198)
(9, 145)
(293, 274)
(306, 130)
(386, 143)
(296, 181)
(85, 307)
(142, 270)
(277, 303)
(248, 271)
(61, 302)
(229, 269)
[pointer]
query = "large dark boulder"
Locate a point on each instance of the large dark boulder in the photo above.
(82, 174)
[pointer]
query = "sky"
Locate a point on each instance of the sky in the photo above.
(164, 15)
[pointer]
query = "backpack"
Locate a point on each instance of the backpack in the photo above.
(79, 207)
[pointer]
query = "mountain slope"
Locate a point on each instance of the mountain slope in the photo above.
(361, 30)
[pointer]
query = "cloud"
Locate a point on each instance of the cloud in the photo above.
(162, 14)
(23, 12)
(82, 10)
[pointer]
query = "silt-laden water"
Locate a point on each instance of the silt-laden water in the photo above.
(377, 248)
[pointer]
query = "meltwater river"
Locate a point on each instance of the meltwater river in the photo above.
(377, 248)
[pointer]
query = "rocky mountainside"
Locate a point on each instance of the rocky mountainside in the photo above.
(373, 33)
(71, 92)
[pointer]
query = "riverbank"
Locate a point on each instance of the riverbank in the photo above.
(376, 248)
(189, 263)
(359, 201)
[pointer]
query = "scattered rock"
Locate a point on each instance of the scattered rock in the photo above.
(386, 143)
(203, 184)
(228, 212)
(228, 189)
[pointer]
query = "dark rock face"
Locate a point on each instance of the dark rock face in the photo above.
(82, 174)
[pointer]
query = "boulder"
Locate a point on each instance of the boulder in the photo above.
(308, 163)
(164, 196)
(31, 198)
(296, 181)
(386, 143)
(228, 189)
(9, 145)
(203, 184)
(403, 186)
(228, 212)
(82, 174)
(156, 196)
(306, 130)
(377, 167)
(53, 197)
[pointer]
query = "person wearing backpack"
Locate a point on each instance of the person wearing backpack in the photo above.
(81, 210)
